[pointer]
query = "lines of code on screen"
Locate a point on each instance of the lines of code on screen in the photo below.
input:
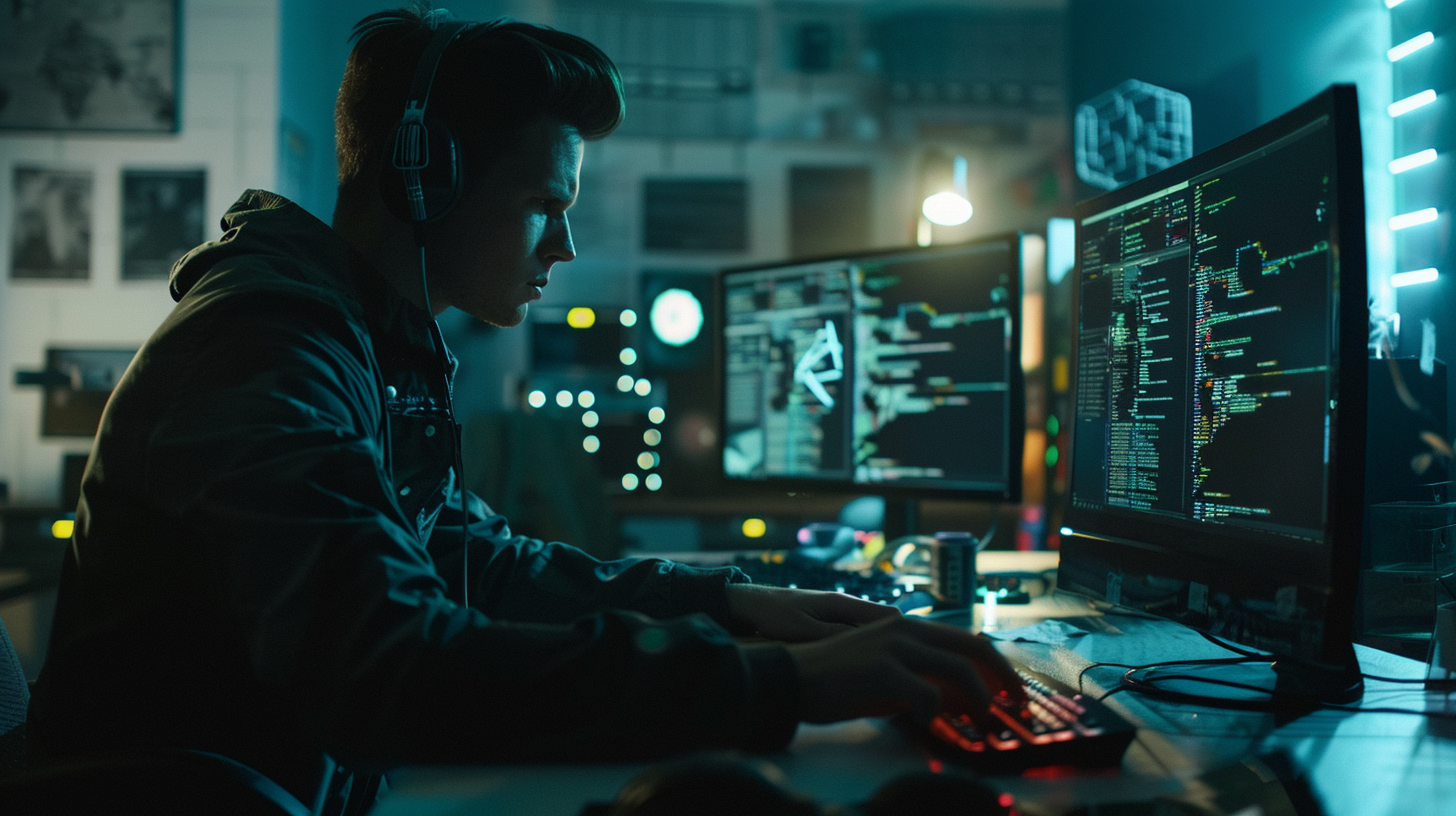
(1204, 347)
(892, 369)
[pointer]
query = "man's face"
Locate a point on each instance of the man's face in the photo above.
(491, 256)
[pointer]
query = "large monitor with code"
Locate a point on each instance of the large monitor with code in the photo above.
(894, 373)
(1217, 458)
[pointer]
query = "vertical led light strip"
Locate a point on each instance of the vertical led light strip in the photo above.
(1415, 160)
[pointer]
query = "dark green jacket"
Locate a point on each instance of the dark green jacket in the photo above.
(262, 567)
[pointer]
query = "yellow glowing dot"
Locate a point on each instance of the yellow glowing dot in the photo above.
(564, 399)
(536, 399)
(643, 387)
(624, 382)
(590, 419)
(581, 317)
(628, 356)
(591, 444)
(646, 460)
(628, 317)
(586, 399)
(629, 481)
(656, 415)
(63, 528)
(653, 481)
(754, 528)
(652, 436)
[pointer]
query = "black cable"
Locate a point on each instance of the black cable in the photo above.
(1442, 684)
(1199, 661)
(439, 342)
(1221, 643)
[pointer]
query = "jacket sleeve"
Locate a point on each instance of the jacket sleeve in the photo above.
(270, 452)
(520, 578)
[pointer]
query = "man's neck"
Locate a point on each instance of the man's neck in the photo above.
(386, 242)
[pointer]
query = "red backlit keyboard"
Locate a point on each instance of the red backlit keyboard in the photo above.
(1057, 727)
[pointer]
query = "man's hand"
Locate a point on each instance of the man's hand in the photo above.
(799, 615)
(900, 665)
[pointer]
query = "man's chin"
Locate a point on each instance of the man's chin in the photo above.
(501, 320)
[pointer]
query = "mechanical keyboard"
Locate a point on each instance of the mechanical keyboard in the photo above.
(1057, 727)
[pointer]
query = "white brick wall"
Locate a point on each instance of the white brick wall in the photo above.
(229, 107)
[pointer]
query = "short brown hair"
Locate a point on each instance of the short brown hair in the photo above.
(492, 82)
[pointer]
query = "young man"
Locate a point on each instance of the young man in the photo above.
(265, 563)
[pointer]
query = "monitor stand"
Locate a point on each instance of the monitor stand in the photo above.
(902, 517)
(1305, 684)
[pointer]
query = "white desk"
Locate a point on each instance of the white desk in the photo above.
(1366, 764)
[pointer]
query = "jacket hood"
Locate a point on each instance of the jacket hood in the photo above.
(264, 226)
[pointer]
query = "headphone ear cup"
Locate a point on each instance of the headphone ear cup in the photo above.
(441, 180)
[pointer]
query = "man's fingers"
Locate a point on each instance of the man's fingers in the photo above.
(996, 669)
(809, 627)
(919, 695)
(954, 671)
(836, 606)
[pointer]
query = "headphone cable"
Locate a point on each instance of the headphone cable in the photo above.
(439, 342)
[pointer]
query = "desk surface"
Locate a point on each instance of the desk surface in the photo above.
(1357, 764)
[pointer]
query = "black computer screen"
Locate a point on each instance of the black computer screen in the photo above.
(1218, 444)
(883, 372)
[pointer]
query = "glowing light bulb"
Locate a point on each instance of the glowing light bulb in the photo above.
(1412, 219)
(536, 399)
(676, 317)
(1414, 276)
(1411, 162)
(1403, 106)
(1410, 46)
(947, 209)
(581, 317)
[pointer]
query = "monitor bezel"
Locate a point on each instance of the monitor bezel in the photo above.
(1017, 394)
(1231, 558)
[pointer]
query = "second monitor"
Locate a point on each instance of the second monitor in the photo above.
(896, 372)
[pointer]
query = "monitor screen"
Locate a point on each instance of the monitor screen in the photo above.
(1218, 447)
(891, 372)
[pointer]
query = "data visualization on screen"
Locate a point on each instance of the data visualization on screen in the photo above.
(1205, 351)
(895, 370)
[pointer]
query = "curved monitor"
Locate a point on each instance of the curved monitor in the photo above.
(1218, 450)
(895, 373)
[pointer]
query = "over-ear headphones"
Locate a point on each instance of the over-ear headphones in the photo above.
(421, 176)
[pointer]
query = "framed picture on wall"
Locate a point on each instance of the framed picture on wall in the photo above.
(50, 229)
(162, 214)
(95, 65)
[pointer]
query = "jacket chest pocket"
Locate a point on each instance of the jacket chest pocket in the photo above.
(422, 456)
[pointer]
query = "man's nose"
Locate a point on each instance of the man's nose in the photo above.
(557, 242)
